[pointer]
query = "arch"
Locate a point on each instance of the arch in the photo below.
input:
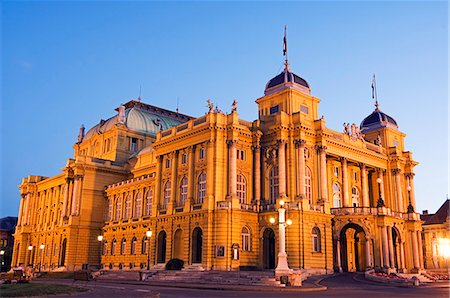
(127, 211)
(197, 245)
(273, 184)
(167, 193)
(62, 260)
(201, 186)
(396, 240)
(269, 249)
(241, 188)
(161, 253)
(246, 239)
(337, 201)
(113, 247)
(137, 210)
(355, 196)
(104, 248)
(118, 211)
(123, 246)
(148, 202)
(183, 191)
(178, 244)
(144, 245)
(353, 241)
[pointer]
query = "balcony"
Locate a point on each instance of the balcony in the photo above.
(374, 211)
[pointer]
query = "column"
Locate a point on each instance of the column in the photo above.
(323, 173)
(257, 172)
(402, 254)
(368, 257)
(210, 169)
(191, 173)
(412, 194)
(232, 154)
(398, 189)
(338, 255)
(365, 188)
(420, 248)
(26, 219)
(76, 195)
(391, 247)
(300, 144)
(282, 167)
(282, 265)
(384, 238)
(381, 176)
(347, 203)
(66, 197)
(174, 180)
(157, 193)
(416, 260)
(20, 219)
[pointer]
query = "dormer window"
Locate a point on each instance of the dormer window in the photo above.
(274, 109)
(304, 109)
(134, 145)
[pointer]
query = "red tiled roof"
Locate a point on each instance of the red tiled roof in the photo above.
(439, 217)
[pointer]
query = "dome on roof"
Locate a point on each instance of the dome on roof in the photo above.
(286, 79)
(140, 118)
(377, 120)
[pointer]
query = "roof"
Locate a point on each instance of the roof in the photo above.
(439, 217)
(141, 117)
(376, 120)
(286, 79)
(8, 223)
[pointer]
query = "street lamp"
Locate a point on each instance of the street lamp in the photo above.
(100, 239)
(410, 206)
(282, 266)
(2, 254)
(41, 247)
(30, 248)
(380, 202)
(149, 235)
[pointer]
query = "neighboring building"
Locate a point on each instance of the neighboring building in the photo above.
(206, 187)
(7, 226)
(436, 236)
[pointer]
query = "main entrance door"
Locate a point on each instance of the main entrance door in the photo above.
(197, 243)
(269, 249)
(353, 247)
(162, 247)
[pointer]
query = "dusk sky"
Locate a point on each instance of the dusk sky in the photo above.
(70, 63)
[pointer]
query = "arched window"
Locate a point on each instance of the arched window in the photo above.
(316, 239)
(273, 185)
(118, 208)
(241, 188)
(133, 245)
(148, 202)
(105, 248)
(138, 205)
(355, 196)
(308, 184)
(201, 188)
(183, 191)
(246, 239)
(110, 209)
(113, 247)
(123, 244)
(167, 191)
(336, 196)
(127, 213)
(144, 245)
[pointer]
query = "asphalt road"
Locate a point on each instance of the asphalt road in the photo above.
(338, 286)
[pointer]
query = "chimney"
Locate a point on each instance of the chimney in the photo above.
(425, 212)
(121, 115)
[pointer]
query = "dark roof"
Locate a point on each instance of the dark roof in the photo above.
(286, 76)
(439, 217)
(8, 223)
(376, 120)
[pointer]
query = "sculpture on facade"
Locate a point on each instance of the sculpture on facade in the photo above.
(81, 134)
(234, 106)
(210, 105)
(121, 115)
(353, 131)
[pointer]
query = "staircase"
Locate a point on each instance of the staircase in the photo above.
(245, 278)
(119, 275)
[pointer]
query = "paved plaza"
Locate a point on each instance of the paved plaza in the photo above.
(343, 285)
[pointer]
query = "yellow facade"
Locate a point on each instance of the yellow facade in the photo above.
(206, 187)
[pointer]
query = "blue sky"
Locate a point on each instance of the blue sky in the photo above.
(70, 63)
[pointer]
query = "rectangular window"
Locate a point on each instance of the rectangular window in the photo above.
(134, 145)
(274, 109)
(184, 158)
(241, 154)
(202, 153)
(355, 176)
(167, 163)
(304, 109)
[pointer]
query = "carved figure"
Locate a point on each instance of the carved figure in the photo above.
(210, 105)
(346, 128)
(378, 140)
(234, 106)
(217, 110)
(81, 134)
(121, 115)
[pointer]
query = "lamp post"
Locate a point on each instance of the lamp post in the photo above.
(2, 255)
(380, 202)
(30, 248)
(41, 247)
(100, 239)
(149, 235)
(282, 266)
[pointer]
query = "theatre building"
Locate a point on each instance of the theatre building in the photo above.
(207, 188)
